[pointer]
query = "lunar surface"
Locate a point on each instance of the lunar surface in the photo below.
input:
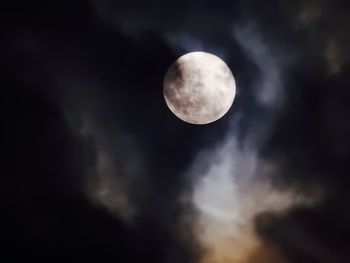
(199, 88)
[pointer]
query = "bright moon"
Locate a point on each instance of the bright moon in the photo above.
(199, 88)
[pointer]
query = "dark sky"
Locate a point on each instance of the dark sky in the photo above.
(96, 168)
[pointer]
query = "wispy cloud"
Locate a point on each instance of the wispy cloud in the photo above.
(268, 84)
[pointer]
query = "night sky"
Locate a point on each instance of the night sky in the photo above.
(96, 168)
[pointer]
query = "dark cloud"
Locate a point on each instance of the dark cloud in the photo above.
(92, 76)
(310, 142)
(311, 145)
(46, 211)
(95, 165)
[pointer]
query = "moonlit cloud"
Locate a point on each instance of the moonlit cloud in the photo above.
(234, 186)
(185, 42)
(268, 85)
(233, 182)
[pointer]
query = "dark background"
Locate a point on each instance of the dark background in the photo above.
(68, 63)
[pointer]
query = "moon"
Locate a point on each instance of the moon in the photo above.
(199, 88)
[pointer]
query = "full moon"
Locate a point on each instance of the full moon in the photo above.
(199, 88)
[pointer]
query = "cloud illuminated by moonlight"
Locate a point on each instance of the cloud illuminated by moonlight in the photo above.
(233, 183)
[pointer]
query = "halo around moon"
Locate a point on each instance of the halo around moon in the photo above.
(199, 88)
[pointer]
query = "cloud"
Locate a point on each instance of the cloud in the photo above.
(324, 22)
(235, 187)
(268, 86)
(238, 185)
(234, 183)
